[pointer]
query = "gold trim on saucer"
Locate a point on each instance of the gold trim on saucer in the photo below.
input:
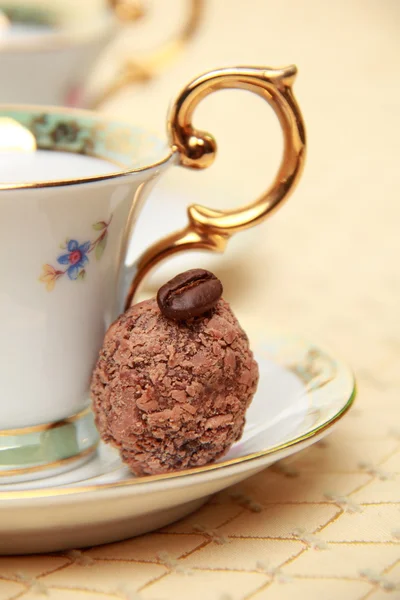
(50, 492)
(53, 465)
(46, 426)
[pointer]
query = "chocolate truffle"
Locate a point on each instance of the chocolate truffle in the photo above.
(172, 395)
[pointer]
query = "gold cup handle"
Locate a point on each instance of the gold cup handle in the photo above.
(147, 67)
(210, 229)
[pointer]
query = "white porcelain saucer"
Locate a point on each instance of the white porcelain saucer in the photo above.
(303, 392)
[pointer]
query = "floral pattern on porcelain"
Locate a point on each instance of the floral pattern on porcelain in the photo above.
(75, 257)
(126, 146)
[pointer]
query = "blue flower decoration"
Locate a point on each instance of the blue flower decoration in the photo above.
(76, 258)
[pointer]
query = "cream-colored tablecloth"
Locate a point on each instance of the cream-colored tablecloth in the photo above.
(326, 524)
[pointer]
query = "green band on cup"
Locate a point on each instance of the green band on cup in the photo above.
(24, 451)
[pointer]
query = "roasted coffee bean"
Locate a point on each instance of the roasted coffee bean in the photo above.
(189, 294)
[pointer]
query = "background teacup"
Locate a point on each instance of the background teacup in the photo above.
(68, 213)
(48, 49)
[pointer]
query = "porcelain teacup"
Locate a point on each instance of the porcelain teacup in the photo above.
(49, 48)
(72, 184)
